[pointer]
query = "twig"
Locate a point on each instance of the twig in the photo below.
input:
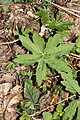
(64, 9)
(35, 3)
(78, 56)
(4, 43)
(78, 71)
(74, 10)
(65, 99)
(37, 113)
(76, 4)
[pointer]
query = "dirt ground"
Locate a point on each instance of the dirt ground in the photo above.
(17, 16)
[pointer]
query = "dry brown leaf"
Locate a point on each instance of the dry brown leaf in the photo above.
(9, 99)
(5, 88)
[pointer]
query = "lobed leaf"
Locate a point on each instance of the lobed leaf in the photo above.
(64, 49)
(53, 42)
(58, 16)
(41, 71)
(70, 83)
(68, 86)
(31, 93)
(51, 24)
(59, 65)
(67, 23)
(38, 41)
(27, 58)
(63, 25)
(70, 110)
(28, 44)
(66, 73)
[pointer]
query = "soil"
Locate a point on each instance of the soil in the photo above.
(11, 86)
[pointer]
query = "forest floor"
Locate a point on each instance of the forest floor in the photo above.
(11, 80)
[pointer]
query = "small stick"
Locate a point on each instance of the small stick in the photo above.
(78, 56)
(76, 4)
(4, 43)
(37, 113)
(64, 9)
(35, 3)
(74, 10)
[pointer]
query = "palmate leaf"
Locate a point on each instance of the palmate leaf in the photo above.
(27, 58)
(29, 45)
(38, 41)
(48, 20)
(49, 55)
(70, 110)
(41, 71)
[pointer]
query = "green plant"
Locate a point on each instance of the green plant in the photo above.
(49, 54)
(11, 65)
(31, 94)
(25, 116)
(78, 44)
(48, 20)
(31, 105)
(72, 109)
(67, 114)
(22, 111)
(47, 116)
(56, 115)
(24, 73)
(5, 8)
